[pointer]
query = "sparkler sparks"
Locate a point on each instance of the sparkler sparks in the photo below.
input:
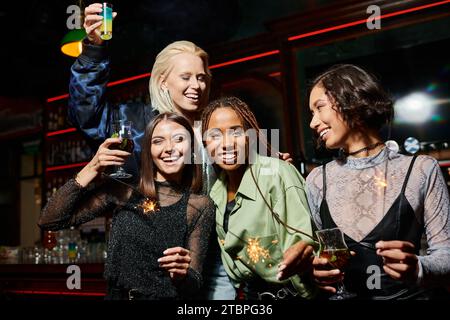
(149, 206)
(255, 251)
(380, 180)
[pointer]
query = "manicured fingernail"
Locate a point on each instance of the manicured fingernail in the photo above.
(165, 251)
(279, 275)
(281, 267)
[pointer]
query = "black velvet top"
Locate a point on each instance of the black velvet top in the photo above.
(138, 238)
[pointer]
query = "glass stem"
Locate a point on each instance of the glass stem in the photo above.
(340, 288)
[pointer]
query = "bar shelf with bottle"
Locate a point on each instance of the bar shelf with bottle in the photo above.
(66, 151)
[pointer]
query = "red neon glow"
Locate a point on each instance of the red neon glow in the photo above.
(66, 166)
(64, 293)
(64, 96)
(256, 56)
(444, 163)
(115, 83)
(54, 133)
(274, 74)
(354, 23)
(313, 33)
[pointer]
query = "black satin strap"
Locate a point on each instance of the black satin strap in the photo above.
(408, 173)
(403, 200)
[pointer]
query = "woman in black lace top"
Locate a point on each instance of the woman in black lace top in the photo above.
(146, 255)
(382, 200)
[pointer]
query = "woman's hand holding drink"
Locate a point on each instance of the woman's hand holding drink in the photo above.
(98, 22)
(105, 157)
(122, 129)
(333, 253)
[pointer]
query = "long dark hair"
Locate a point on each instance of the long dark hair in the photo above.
(357, 95)
(191, 177)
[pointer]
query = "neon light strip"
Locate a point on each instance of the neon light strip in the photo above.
(67, 166)
(354, 23)
(54, 133)
(64, 96)
(115, 83)
(274, 74)
(261, 55)
(64, 293)
(444, 163)
(256, 56)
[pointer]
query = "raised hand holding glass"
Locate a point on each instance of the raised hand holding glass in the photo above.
(122, 129)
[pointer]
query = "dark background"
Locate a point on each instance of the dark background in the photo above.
(31, 32)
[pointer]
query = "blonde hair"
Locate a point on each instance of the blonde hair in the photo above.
(161, 100)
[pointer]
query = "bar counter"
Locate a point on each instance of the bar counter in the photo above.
(49, 281)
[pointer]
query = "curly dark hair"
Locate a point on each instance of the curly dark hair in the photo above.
(357, 95)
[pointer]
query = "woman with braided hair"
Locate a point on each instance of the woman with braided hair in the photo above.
(262, 217)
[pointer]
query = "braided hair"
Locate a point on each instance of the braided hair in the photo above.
(249, 122)
(242, 110)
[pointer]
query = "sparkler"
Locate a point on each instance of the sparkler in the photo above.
(255, 251)
(149, 205)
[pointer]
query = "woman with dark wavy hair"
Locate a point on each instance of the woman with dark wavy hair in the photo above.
(383, 201)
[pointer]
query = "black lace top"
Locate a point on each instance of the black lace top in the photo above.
(138, 239)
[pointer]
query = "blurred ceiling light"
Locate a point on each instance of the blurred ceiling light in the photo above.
(416, 107)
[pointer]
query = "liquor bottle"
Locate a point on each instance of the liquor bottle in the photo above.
(73, 245)
(48, 193)
(60, 119)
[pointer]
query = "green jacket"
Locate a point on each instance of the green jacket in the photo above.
(251, 222)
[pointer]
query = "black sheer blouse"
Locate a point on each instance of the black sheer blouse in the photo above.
(138, 239)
